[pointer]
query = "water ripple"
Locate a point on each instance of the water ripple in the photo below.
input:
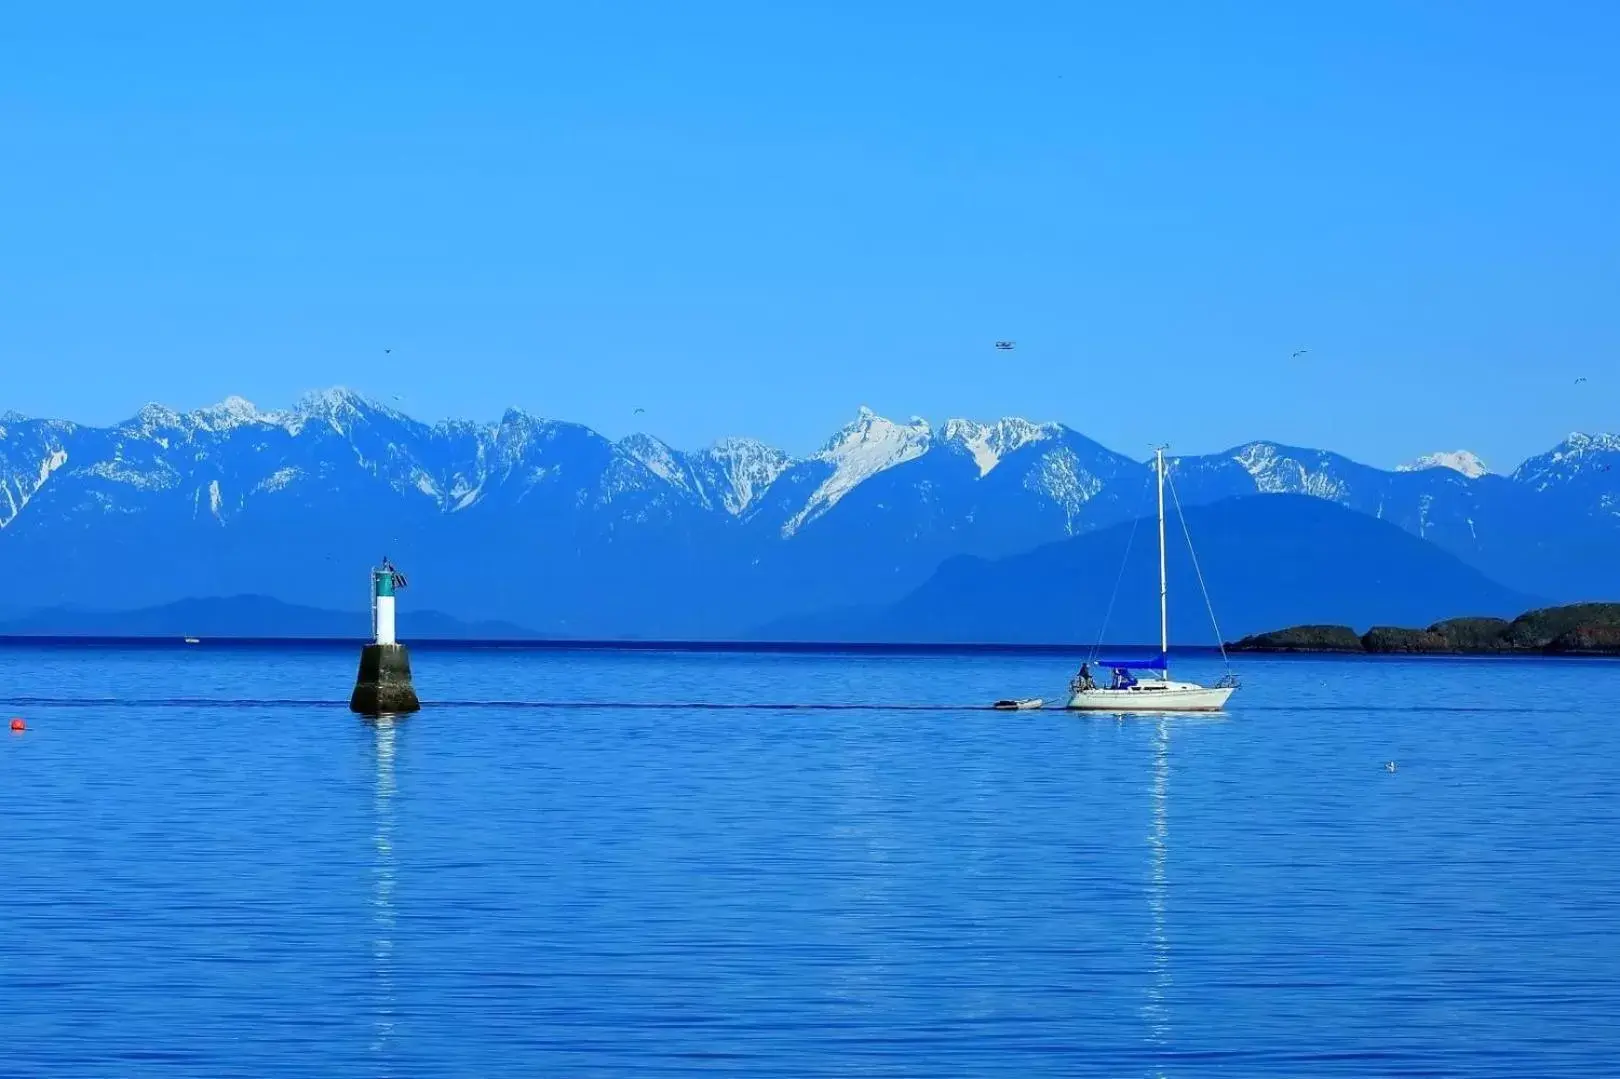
(678, 864)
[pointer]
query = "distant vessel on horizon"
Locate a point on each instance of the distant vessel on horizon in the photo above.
(192, 640)
(1160, 694)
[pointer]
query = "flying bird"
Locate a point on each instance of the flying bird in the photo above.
(1299, 353)
(1580, 380)
(638, 412)
(1005, 346)
(386, 351)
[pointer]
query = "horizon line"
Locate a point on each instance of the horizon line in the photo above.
(608, 644)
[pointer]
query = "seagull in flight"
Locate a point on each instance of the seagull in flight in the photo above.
(638, 412)
(1580, 380)
(1299, 353)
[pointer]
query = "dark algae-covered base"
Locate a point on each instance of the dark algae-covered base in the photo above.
(383, 686)
(1591, 629)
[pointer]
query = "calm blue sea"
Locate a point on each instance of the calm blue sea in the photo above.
(601, 863)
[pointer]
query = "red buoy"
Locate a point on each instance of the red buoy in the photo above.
(18, 726)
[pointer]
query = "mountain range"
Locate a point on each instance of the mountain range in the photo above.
(549, 525)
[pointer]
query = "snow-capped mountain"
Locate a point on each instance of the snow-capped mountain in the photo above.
(856, 454)
(1463, 461)
(549, 524)
(1578, 460)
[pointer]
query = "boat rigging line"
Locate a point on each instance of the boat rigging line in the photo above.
(1198, 572)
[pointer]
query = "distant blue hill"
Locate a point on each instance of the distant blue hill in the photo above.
(1275, 560)
(248, 616)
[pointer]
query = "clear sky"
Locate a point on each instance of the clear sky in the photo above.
(751, 217)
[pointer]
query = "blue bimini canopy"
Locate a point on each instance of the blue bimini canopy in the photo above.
(1136, 663)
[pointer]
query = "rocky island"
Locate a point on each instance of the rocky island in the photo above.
(1580, 629)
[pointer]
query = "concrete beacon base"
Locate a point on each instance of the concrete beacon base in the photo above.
(383, 686)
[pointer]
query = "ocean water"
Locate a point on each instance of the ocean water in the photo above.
(607, 863)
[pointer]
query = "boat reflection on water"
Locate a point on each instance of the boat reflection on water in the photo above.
(1156, 1011)
(382, 891)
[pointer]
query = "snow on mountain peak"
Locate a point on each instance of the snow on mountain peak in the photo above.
(335, 405)
(1260, 460)
(236, 405)
(871, 440)
(860, 451)
(656, 457)
(160, 422)
(1579, 442)
(1462, 461)
(330, 399)
(746, 467)
(153, 418)
(1577, 456)
(740, 446)
(1275, 470)
(989, 443)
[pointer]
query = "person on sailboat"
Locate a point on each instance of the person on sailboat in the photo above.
(1085, 681)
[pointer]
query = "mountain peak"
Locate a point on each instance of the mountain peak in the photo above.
(1581, 442)
(741, 469)
(155, 417)
(335, 399)
(234, 411)
(641, 442)
(988, 443)
(517, 417)
(1463, 461)
(868, 434)
(737, 444)
(336, 406)
(868, 424)
(860, 451)
(1279, 469)
(1579, 456)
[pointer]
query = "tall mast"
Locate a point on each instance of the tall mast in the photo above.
(1164, 607)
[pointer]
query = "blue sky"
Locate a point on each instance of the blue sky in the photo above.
(751, 218)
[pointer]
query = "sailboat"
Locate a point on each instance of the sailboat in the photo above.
(1160, 694)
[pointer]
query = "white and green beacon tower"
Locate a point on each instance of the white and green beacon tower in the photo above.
(383, 687)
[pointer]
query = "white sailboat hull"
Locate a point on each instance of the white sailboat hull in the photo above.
(1153, 696)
